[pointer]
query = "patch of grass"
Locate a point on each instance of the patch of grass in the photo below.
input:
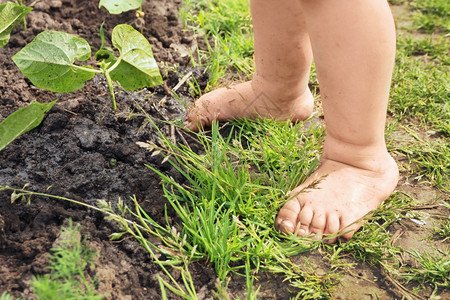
(374, 244)
(234, 190)
(435, 268)
(428, 159)
(68, 263)
(442, 231)
(431, 15)
(429, 49)
(420, 93)
(261, 157)
(225, 27)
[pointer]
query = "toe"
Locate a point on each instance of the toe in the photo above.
(196, 121)
(190, 125)
(348, 229)
(304, 219)
(317, 226)
(287, 217)
(332, 228)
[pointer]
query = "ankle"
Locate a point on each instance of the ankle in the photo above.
(372, 157)
(283, 92)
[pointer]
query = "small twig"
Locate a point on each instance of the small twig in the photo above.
(159, 112)
(2, 233)
(34, 3)
(403, 290)
(430, 206)
(360, 277)
(70, 112)
(396, 236)
(173, 130)
(166, 89)
(173, 138)
(183, 140)
(182, 81)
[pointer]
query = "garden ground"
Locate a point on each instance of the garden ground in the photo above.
(84, 151)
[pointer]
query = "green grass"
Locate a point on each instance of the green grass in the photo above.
(228, 207)
(442, 231)
(431, 15)
(420, 95)
(68, 278)
(420, 90)
(434, 268)
(225, 27)
(234, 188)
(427, 159)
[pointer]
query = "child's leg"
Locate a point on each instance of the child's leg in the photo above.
(279, 87)
(354, 46)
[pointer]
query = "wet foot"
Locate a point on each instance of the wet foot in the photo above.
(247, 100)
(335, 197)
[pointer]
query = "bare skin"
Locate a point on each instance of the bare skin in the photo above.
(332, 201)
(354, 45)
(247, 100)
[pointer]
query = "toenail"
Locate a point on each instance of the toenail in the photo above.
(287, 225)
(301, 232)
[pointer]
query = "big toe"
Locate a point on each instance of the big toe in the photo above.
(198, 115)
(195, 121)
(287, 217)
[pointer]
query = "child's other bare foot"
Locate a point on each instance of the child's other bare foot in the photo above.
(345, 192)
(249, 100)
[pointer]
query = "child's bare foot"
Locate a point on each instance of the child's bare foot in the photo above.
(249, 100)
(344, 194)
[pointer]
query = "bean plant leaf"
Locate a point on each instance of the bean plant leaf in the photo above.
(48, 61)
(22, 120)
(137, 68)
(106, 56)
(119, 6)
(11, 14)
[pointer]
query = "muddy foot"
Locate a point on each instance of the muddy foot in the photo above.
(246, 100)
(342, 195)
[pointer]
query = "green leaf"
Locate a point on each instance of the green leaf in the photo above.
(137, 68)
(48, 61)
(22, 120)
(119, 6)
(106, 56)
(11, 14)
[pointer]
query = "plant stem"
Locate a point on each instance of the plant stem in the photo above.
(25, 192)
(118, 61)
(111, 89)
(106, 71)
(24, 21)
